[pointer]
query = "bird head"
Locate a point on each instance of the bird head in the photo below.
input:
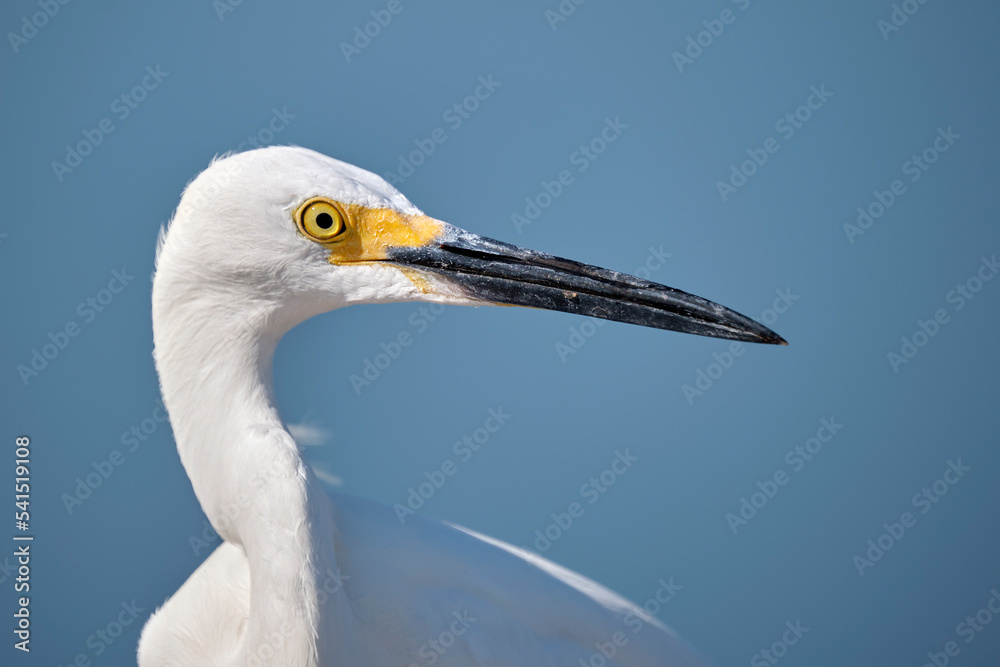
(289, 226)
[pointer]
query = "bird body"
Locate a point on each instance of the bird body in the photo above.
(260, 242)
(423, 593)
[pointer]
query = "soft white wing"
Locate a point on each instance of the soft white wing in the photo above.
(423, 582)
(425, 593)
(204, 622)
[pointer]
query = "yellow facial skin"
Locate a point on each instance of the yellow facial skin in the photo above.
(362, 234)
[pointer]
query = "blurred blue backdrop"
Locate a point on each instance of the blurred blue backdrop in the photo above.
(748, 136)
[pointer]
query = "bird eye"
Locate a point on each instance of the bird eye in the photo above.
(321, 220)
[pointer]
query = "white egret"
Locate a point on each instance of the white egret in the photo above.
(260, 242)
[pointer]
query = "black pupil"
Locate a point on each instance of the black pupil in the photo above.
(324, 221)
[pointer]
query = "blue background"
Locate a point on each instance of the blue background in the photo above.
(656, 185)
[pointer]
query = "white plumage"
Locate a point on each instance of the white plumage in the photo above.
(303, 577)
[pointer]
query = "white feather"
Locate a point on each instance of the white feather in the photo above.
(305, 578)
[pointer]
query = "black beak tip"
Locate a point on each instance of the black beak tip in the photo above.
(775, 339)
(768, 337)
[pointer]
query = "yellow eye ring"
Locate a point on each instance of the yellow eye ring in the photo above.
(321, 219)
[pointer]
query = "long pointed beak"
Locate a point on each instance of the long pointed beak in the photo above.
(497, 272)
